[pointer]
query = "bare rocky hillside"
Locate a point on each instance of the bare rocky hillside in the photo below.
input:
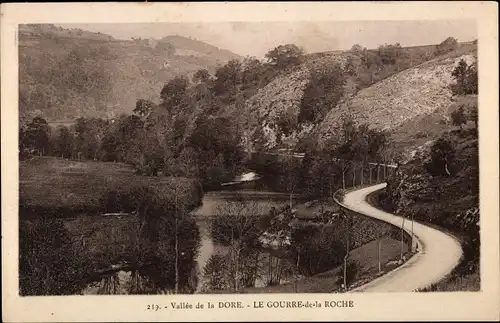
(406, 98)
(414, 93)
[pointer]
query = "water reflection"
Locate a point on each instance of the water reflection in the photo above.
(153, 279)
(205, 265)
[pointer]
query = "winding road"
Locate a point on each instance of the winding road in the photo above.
(438, 252)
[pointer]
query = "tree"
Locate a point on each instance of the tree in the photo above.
(47, 262)
(227, 77)
(143, 107)
(323, 92)
(458, 117)
(442, 155)
(63, 142)
(353, 65)
(357, 48)
(89, 134)
(447, 45)
(173, 92)
(465, 79)
(237, 225)
(216, 274)
(252, 69)
(285, 56)
(317, 248)
(287, 122)
(36, 136)
(201, 75)
(389, 54)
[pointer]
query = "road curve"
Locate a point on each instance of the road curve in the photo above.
(438, 252)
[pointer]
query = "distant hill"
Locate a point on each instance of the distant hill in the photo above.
(70, 73)
(183, 43)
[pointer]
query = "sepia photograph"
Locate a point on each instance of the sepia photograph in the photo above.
(233, 157)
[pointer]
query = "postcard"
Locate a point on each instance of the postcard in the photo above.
(259, 161)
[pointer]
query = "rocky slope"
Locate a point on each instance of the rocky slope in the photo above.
(280, 99)
(402, 102)
(415, 92)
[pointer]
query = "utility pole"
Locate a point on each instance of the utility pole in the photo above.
(362, 171)
(176, 244)
(348, 219)
(370, 168)
(412, 236)
(343, 174)
(402, 234)
(353, 174)
(379, 256)
(290, 174)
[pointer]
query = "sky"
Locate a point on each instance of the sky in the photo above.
(257, 38)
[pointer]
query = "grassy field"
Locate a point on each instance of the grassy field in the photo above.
(66, 187)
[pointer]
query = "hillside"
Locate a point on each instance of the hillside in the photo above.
(199, 48)
(412, 93)
(385, 95)
(66, 73)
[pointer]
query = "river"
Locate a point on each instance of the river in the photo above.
(127, 281)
